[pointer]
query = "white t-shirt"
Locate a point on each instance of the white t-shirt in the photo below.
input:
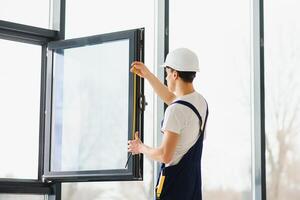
(182, 120)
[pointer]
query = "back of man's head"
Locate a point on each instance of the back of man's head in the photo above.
(184, 62)
(185, 76)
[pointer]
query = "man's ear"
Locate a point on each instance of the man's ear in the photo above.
(175, 75)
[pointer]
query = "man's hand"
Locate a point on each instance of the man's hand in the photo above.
(135, 146)
(161, 90)
(140, 69)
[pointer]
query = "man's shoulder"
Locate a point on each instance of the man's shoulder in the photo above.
(197, 100)
(174, 107)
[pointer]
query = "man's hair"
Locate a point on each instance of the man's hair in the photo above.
(187, 77)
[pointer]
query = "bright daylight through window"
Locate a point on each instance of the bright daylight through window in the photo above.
(282, 72)
(20, 79)
(221, 37)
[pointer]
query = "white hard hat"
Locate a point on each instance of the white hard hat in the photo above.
(182, 59)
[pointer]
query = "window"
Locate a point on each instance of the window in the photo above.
(29, 12)
(282, 99)
(220, 34)
(61, 57)
(104, 17)
(107, 16)
(106, 190)
(20, 83)
(22, 197)
(97, 105)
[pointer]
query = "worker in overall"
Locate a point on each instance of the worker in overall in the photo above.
(183, 127)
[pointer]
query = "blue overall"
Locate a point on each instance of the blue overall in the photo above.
(183, 180)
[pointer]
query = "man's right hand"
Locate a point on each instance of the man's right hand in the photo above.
(140, 69)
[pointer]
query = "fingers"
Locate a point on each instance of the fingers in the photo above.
(136, 135)
(133, 145)
(139, 68)
(136, 71)
(137, 63)
(133, 70)
(132, 149)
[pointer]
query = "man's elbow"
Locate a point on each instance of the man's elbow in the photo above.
(166, 158)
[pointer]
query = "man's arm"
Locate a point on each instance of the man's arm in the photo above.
(161, 90)
(164, 153)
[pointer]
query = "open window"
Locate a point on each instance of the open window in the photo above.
(94, 104)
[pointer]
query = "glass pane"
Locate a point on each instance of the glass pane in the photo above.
(105, 16)
(282, 88)
(20, 78)
(29, 12)
(107, 190)
(91, 94)
(220, 35)
(22, 197)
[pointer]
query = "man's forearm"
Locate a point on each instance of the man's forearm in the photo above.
(156, 154)
(161, 90)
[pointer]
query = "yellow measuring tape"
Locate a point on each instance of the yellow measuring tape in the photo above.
(160, 185)
(134, 106)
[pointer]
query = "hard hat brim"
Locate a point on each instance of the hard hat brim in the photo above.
(165, 65)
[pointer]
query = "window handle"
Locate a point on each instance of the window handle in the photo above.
(143, 102)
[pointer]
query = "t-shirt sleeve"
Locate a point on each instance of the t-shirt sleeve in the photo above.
(173, 119)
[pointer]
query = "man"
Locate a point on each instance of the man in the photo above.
(183, 127)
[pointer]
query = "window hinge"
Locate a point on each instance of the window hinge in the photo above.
(141, 34)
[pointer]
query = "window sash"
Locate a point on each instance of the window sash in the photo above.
(136, 90)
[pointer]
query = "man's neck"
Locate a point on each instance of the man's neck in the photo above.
(184, 89)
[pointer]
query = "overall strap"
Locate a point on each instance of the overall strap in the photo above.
(191, 106)
(206, 115)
